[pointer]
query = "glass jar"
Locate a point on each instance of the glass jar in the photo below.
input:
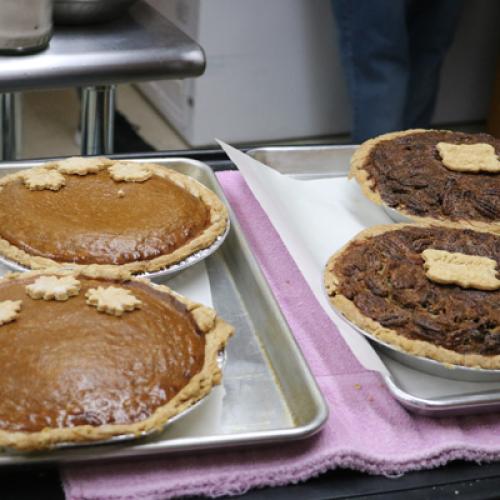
(25, 25)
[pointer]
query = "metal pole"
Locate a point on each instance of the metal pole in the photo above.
(98, 114)
(10, 126)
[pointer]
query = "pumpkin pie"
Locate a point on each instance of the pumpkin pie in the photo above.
(91, 354)
(427, 175)
(429, 290)
(85, 211)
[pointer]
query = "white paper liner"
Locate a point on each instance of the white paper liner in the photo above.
(313, 237)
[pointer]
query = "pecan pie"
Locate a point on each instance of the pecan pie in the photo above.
(91, 354)
(83, 211)
(433, 174)
(383, 281)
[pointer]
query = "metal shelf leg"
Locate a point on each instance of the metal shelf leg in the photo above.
(10, 126)
(98, 112)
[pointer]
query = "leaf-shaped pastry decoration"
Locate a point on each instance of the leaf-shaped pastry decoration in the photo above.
(130, 172)
(112, 300)
(9, 310)
(82, 166)
(53, 288)
(38, 179)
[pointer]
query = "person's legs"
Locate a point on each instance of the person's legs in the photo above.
(374, 48)
(431, 26)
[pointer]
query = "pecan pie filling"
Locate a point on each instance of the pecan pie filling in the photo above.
(408, 172)
(384, 277)
(96, 220)
(65, 364)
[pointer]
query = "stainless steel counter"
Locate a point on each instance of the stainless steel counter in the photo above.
(139, 46)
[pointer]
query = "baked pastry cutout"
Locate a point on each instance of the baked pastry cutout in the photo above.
(130, 172)
(429, 175)
(112, 300)
(469, 157)
(77, 165)
(42, 178)
(53, 288)
(78, 376)
(9, 310)
(379, 282)
(466, 271)
(135, 223)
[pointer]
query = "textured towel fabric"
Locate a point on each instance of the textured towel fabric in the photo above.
(367, 429)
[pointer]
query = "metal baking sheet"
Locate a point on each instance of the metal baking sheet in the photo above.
(426, 392)
(268, 393)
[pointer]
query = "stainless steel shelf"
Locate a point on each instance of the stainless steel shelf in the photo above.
(141, 45)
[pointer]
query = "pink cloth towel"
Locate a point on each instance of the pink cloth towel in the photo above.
(367, 429)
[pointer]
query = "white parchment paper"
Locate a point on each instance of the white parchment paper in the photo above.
(314, 219)
(192, 282)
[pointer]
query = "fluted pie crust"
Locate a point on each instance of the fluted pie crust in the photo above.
(217, 224)
(358, 171)
(216, 331)
(390, 336)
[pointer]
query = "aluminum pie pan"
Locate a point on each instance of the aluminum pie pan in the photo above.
(126, 438)
(396, 215)
(427, 365)
(189, 261)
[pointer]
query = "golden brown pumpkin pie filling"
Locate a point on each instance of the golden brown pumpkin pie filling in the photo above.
(71, 372)
(94, 219)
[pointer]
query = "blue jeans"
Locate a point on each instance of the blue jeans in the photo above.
(392, 51)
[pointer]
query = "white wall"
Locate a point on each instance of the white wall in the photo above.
(273, 70)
